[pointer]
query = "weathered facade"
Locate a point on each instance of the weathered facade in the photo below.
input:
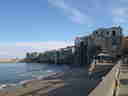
(60, 56)
(85, 48)
(108, 38)
(65, 55)
(80, 56)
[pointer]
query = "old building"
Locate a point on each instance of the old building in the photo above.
(102, 39)
(85, 48)
(108, 38)
(124, 46)
(65, 55)
(80, 55)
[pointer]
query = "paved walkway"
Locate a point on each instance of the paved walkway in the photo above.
(122, 88)
(105, 88)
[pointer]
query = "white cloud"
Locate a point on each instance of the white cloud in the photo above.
(42, 46)
(79, 17)
(19, 49)
(120, 13)
(75, 14)
(93, 12)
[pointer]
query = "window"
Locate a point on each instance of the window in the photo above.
(107, 33)
(113, 33)
(102, 32)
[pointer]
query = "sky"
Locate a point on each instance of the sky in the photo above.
(40, 25)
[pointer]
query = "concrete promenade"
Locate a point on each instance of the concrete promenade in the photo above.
(106, 87)
(115, 82)
(122, 88)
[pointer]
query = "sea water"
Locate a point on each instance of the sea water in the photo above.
(17, 72)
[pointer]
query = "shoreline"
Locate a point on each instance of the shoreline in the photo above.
(57, 84)
(32, 73)
(33, 79)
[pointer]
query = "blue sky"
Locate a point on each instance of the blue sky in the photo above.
(39, 25)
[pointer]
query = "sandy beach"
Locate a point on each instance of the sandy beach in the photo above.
(73, 82)
(76, 84)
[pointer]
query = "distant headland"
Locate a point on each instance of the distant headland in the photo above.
(9, 60)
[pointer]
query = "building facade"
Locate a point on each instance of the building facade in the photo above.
(108, 39)
(80, 55)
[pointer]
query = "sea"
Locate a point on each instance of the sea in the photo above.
(11, 73)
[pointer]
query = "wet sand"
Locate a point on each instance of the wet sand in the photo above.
(73, 82)
(76, 84)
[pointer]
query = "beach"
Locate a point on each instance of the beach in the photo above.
(76, 84)
(73, 82)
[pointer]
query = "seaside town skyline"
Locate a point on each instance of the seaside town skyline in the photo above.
(63, 47)
(39, 25)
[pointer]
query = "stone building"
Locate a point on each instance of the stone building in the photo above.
(108, 38)
(102, 39)
(124, 46)
(80, 55)
(65, 55)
